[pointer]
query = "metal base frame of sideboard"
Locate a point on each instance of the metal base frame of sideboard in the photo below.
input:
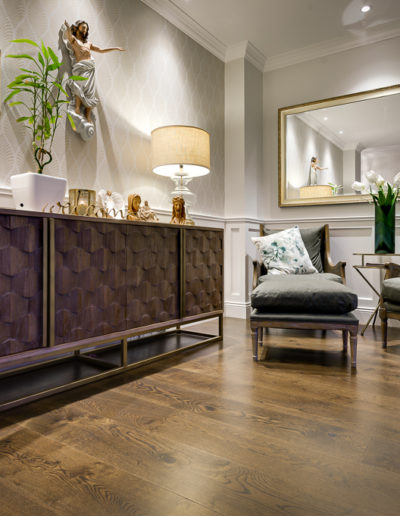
(35, 374)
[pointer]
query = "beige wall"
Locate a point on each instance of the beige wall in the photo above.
(163, 78)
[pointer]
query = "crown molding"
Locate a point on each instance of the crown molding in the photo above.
(246, 50)
(308, 119)
(189, 26)
(175, 15)
(327, 48)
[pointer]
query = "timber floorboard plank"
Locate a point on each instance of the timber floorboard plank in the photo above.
(238, 449)
(167, 462)
(61, 477)
(210, 432)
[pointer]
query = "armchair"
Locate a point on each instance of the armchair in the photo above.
(305, 301)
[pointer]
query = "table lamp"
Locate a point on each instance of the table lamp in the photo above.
(181, 153)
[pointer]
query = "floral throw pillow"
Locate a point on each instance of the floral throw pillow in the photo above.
(284, 253)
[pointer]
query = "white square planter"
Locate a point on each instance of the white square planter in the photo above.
(33, 191)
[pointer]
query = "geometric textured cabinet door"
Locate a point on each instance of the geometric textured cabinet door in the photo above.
(153, 274)
(203, 283)
(90, 274)
(21, 283)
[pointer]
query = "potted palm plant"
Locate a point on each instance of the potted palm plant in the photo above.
(39, 90)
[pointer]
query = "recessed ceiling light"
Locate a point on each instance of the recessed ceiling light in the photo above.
(365, 8)
(340, 132)
(325, 118)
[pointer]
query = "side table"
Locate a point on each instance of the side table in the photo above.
(371, 265)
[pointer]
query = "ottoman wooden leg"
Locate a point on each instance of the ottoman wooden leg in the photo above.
(255, 344)
(353, 348)
(345, 336)
(384, 330)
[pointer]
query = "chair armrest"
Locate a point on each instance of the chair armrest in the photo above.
(338, 268)
(329, 266)
(392, 270)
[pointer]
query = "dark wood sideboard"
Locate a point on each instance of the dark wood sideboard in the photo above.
(84, 298)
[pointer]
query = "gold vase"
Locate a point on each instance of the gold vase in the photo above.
(82, 202)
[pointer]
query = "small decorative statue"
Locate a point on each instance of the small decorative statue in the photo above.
(146, 213)
(314, 168)
(134, 201)
(77, 49)
(111, 204)
(178, 211)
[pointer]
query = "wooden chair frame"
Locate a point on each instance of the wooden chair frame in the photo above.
(392, 271)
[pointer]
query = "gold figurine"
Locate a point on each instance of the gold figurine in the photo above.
(178, 211)
(134, 201)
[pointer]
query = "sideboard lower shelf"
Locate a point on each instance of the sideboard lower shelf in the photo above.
(78, 367)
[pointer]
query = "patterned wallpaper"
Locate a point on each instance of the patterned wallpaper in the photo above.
(163, 78)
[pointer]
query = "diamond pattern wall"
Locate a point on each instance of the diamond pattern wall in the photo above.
(163, 78)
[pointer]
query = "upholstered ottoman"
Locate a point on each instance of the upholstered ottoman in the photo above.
(306, 301)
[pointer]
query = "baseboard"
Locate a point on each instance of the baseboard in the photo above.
(237, 310)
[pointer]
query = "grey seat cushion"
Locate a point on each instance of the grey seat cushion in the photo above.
(323, 275)
(391, 290)
(391, 307)
(303, 294)
(312, 238)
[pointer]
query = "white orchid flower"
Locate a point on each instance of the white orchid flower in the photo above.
(380, 181)
(359, 187)
(372, 177)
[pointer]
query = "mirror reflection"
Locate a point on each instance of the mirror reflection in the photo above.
(327, 145)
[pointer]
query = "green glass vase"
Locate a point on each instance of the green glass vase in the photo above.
(385, 228)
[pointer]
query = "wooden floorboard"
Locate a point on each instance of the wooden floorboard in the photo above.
(210, 432)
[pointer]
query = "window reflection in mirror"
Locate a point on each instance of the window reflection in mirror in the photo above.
(327, 145)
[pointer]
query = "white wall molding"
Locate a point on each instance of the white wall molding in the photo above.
(237, 310)
(309, 119)
(246, 50)
(189, 26)
(5, 191)
(327, 48)
(200, 218)
(349, 221)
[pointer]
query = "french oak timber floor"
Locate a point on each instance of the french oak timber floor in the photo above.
(210, 432)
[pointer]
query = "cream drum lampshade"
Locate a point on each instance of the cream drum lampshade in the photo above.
(179, 150)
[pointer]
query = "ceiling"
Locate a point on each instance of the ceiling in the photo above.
(282, 30)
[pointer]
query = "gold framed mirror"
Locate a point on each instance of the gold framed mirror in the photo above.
(326, 145)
